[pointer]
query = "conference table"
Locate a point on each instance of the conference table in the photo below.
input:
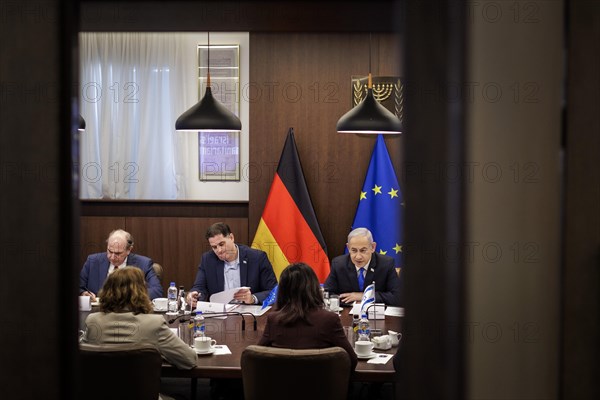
(228, 331)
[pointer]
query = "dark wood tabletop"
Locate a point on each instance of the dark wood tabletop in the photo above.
(229, 332)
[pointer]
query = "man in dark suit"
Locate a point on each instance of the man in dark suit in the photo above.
(118, 254)
(351, 273)
(230, 266)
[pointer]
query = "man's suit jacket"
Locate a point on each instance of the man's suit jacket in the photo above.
(256, 272)
(344, 279)
(95, 270)
(321, 330)
(127, 327)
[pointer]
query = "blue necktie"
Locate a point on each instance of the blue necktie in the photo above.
(361, 278)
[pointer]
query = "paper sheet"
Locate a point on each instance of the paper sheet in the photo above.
(380, 359)
(221, 349)
(256, 310)
(225, 296)
(394, 312)
(207, 307)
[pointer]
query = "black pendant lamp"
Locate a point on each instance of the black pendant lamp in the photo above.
(369, 117)
(81, 123)
(208, 114)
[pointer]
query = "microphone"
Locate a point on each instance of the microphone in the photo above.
(222, 314)
(178, 317)
(227, 313)
(241, 314)
(253, 316)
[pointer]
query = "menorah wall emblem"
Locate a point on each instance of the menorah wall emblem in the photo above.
(387, 90)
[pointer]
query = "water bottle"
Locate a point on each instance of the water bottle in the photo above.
(172, 298)
(364, 331)
(181, 303)
(199, 327)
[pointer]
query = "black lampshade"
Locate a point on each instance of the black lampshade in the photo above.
(81, 123)
(369, 117)
(208, 114)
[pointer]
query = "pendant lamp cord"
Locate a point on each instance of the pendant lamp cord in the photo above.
(208, 62)
(370, 82)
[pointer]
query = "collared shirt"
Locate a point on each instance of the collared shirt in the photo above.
(366, 267)
(232, 272)
(111, 268)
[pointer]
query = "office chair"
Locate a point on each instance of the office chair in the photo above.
(127, 371)
(158, 270)
(278, 373)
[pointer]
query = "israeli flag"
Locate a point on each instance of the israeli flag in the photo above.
(368, 298)
(270, 298)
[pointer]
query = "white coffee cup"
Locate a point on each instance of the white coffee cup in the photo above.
(363, 347)
(395, 336)
(334, 303)
(85, 303)
(160, 303)
(204, 344)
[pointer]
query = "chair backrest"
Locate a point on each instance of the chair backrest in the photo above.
(119, 371)
(158, 270)
(277, 373)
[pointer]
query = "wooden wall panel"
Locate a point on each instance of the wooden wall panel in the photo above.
(94, 232)
(303, 81)
(178, 243)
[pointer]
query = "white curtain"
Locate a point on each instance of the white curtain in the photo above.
(133, 88)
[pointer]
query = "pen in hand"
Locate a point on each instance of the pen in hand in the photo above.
(92, 295)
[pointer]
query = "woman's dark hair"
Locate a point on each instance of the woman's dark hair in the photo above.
(298, 293)
(125, 290)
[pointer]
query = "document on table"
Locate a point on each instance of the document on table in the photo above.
(207, 307)
(389, 310)
(255, 310)
(394, 311)
(380, 359)
(225, 296)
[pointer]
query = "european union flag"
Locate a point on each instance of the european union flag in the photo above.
(270, 299)
(381, 205)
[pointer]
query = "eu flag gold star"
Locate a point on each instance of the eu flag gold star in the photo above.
(393, 193)
(382, 252)
(363, 196)
(376, 190)
(398, 248)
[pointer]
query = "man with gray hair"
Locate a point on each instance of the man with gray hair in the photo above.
(351, 273)
(118, 254)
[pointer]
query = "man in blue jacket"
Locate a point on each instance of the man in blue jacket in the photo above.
(118, 254)
(229, 266)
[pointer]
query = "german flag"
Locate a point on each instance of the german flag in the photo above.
(288, 230)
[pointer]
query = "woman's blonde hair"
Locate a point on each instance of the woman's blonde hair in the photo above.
(125, 290)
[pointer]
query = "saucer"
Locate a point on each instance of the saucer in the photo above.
(367, 357)
(203, 353)
(160, 309)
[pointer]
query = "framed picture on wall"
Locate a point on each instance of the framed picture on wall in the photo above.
(219, 152)
(219, 156)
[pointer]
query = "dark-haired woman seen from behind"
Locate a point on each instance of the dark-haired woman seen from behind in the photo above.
(126, 317)
(299, 320)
